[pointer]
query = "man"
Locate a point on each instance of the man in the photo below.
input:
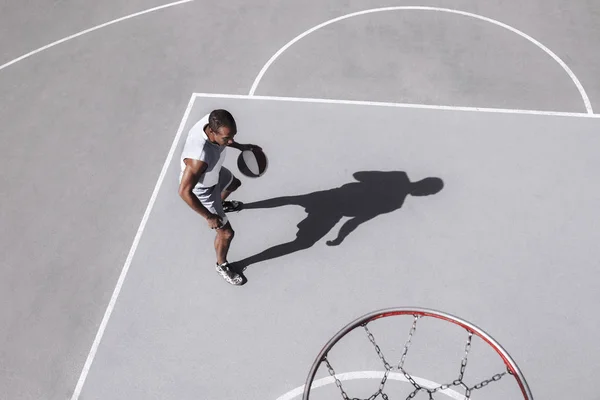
(204, 183)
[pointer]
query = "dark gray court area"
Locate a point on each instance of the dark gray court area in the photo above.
(487, 216)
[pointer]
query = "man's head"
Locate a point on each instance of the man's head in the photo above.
(221, 127)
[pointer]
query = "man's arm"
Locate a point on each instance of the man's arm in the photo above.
(192, 173)
(242, 147)
(237, 145)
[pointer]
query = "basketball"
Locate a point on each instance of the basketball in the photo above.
(252, 163)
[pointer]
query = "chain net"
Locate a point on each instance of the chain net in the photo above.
(381, 394)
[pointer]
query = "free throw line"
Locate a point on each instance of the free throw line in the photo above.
(136, 240)
(400, 105)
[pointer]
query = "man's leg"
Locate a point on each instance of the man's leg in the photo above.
(222, 242)
(211, 199)
(224, 234)
(229, 184)
(233, 186)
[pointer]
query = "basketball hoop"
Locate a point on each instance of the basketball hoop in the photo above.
(417, 313)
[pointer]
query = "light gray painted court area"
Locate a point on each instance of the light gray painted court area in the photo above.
(435, 154)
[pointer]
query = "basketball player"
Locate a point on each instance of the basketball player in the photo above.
(204, 183)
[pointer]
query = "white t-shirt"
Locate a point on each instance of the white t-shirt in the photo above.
(198, 147)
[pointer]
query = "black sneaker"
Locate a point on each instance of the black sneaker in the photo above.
(232, 205)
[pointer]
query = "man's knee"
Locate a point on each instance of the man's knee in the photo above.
(234, 185)
(226, 232)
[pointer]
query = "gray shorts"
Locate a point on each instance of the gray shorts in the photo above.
(210, 197)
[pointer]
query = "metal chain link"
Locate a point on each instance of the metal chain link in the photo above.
(408, 341)
(377, 349)
(382, 383)
(413, 393)
(337, 381)
(463, 363)
(441, 387)
(485, 382)
(410, 379)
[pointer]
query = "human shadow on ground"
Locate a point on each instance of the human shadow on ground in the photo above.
(375, 193)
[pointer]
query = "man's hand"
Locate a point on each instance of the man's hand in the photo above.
(244, 147)
(251, 147)
(214, 221)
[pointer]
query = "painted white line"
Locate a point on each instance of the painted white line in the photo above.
(584, 96)
(399, 105)
(91, 30)
(347, 376)
(136, 240)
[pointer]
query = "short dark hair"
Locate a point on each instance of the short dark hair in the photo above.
(219, 118)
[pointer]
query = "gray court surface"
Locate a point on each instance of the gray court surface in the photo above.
(94, 93)
(507, 241)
